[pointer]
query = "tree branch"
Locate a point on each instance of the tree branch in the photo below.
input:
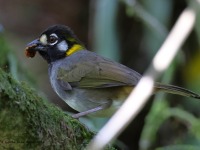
(29, 122)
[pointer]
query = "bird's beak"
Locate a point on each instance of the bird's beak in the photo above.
(33, 47)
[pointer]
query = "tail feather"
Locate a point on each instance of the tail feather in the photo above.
(175, 90)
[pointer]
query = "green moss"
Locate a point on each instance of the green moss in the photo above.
(29, 122)
(4, 50)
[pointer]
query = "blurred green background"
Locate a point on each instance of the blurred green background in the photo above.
(127, 31)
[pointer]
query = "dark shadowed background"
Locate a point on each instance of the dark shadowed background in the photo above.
(127, 31)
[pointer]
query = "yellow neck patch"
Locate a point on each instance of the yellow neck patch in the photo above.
(73, 49)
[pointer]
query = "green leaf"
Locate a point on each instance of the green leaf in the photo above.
(179, 147)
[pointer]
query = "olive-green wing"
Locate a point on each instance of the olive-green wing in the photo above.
(98, 74)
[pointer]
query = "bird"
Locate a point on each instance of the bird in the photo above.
(87, 82)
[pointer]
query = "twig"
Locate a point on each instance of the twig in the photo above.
(143, 90)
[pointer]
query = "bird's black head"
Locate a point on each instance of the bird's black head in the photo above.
(55, 43)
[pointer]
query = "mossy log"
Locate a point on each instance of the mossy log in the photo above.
(29, 122)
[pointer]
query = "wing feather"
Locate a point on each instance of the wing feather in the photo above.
(94, 71)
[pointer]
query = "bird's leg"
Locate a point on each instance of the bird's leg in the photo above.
(93, 110)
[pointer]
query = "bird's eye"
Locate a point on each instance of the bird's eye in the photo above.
(53, 39)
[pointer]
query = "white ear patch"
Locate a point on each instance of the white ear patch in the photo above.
(43, 39)
(62, 46)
